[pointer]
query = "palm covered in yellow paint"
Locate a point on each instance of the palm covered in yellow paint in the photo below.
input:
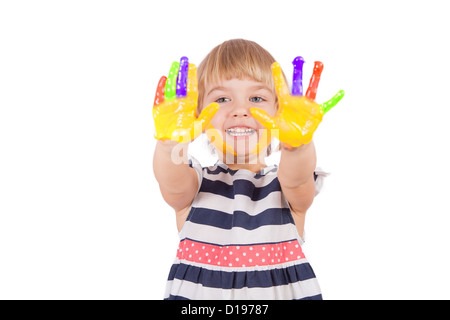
(298, 116)
(174, 109)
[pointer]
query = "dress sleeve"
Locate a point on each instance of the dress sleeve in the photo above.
(195, 164)
(319, 177)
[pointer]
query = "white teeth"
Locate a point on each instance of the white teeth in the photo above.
(237, 131)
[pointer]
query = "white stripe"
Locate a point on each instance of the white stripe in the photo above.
(194, 291)
(238, 235)
(241, 269)
(240, 203)
(248, 175)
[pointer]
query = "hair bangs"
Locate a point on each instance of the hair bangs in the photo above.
(236, 58)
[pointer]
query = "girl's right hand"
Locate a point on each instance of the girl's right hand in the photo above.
(174, 109)
(298, 116)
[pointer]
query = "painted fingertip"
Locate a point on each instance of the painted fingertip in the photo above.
(208, 114)
(181, 89)
(318, 65)
(297, 81)
(171, 83)
(314, 81)
(276, 69)
(214, 107)
(327, 106)
(159, 96)
(192, 79)
(298, 59)
(279, 80)
(210, 110)
(275, 66)
(263, 117)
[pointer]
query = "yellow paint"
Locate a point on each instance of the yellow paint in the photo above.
(176, 118)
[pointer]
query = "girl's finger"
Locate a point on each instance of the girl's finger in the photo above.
(203, 120)
(182, 78)
(171, 82)
(159, 96)
(332, 102)
(207, 114)
(262, 116)
(278, 79)
(192, 82)
(297, 81)
(314, 82)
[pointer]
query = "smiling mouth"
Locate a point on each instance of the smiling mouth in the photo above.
(240, 131)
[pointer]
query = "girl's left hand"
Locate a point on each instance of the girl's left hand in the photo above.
(298, 116)
(174, 109)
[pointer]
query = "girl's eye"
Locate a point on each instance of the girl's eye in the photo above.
(256, 99)
(222, 100)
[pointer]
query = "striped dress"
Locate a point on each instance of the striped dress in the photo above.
(239, 241)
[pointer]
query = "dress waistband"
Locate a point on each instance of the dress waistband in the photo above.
(240, 256)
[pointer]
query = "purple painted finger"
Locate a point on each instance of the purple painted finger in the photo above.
(182, 78)
(297, 81)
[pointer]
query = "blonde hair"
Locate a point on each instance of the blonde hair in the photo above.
(236, 58)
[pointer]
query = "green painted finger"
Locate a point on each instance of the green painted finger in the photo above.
(171, 83)
(332, 102)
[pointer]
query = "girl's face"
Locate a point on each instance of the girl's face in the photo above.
(233, 121)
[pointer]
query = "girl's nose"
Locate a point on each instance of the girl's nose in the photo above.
(241, 110)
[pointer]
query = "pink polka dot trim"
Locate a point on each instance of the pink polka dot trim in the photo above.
(240, 256)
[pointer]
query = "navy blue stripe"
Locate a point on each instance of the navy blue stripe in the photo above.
(316, 297)
(218, 169)
(215, 170)
(239, 186)
(274, 169)
(241, 279)
(220, 219)
(172, 297)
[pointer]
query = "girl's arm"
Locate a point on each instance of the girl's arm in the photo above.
(296, 120)
(296, 177)
(178, 182)
(175, 122)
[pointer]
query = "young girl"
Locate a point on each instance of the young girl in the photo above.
(240, 222)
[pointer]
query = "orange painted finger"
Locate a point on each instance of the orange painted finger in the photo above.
(314, 82)
(159, 96)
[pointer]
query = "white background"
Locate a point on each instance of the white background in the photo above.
(81, 216)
